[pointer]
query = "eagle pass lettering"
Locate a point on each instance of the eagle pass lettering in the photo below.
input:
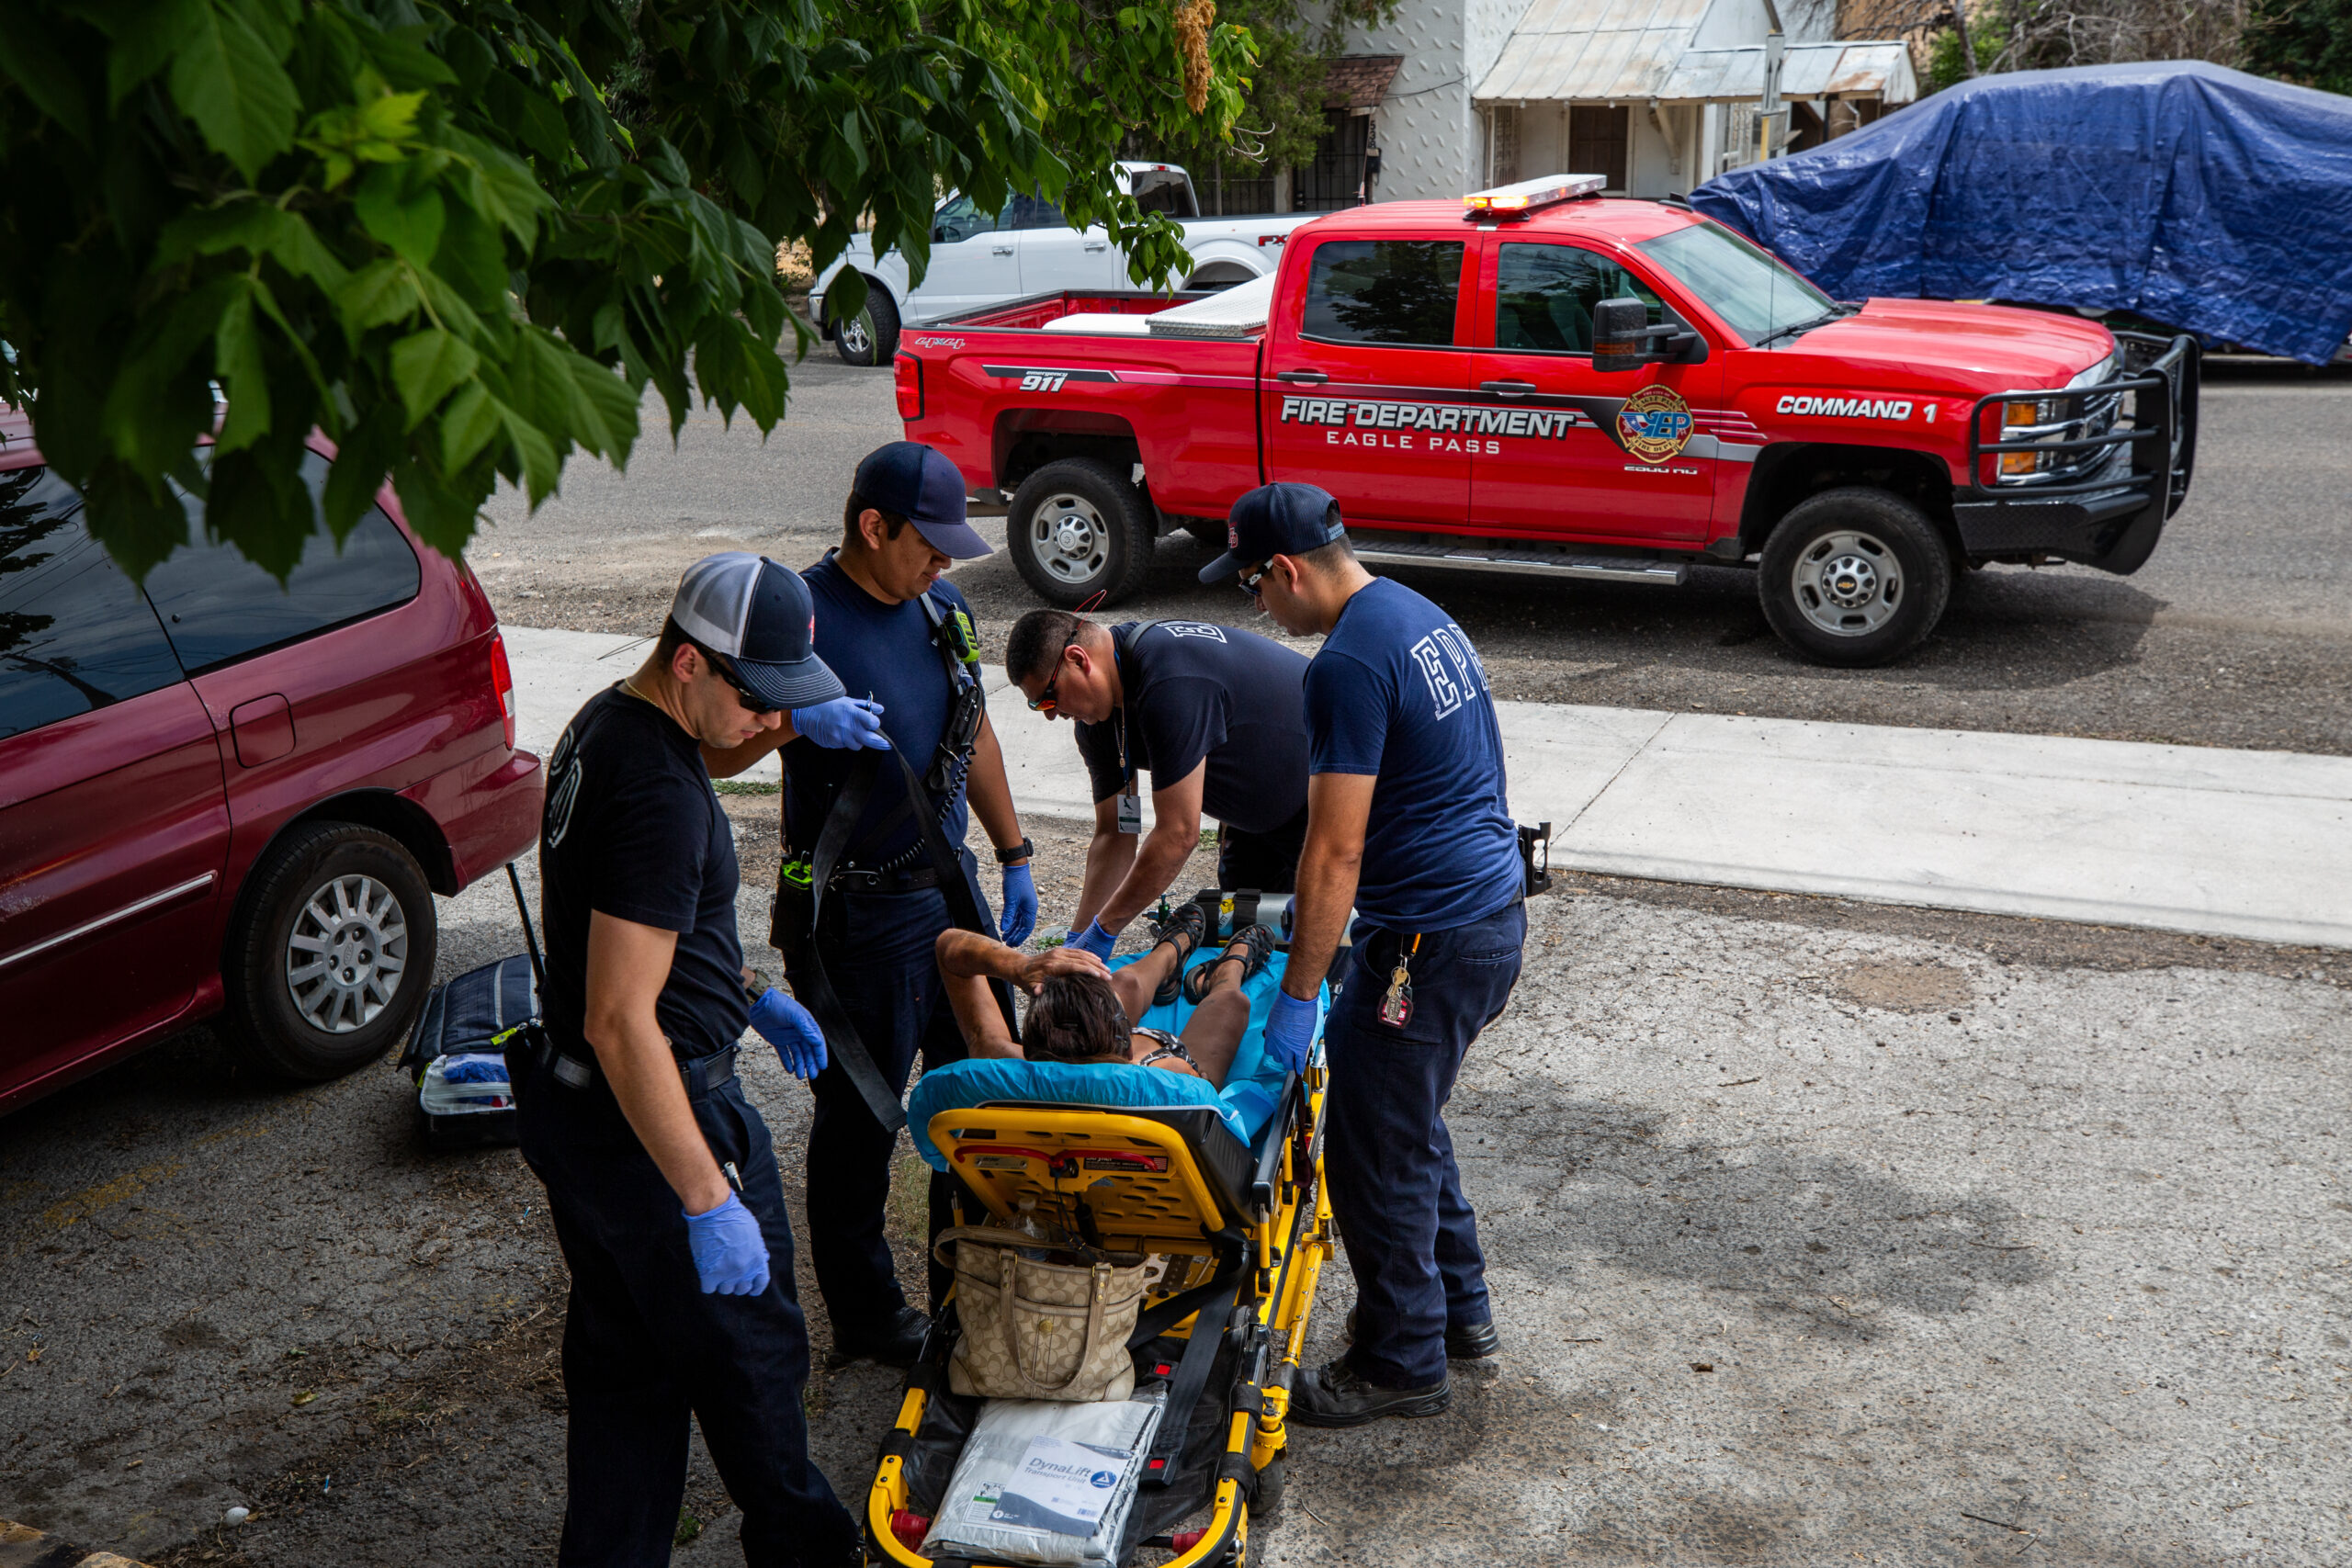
(1846, 408)
(1540, 380)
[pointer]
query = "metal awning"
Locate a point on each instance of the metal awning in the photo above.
(1862, 70)
(1634, 50)
(1571, 50)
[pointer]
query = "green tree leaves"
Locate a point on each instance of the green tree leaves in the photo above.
(462, 237)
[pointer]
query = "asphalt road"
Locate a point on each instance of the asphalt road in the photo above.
(1817, 1233)
(2237, 633)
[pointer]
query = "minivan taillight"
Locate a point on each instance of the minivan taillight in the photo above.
(502, 680)
(910, 381)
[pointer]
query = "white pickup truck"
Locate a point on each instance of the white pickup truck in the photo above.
(977, 261)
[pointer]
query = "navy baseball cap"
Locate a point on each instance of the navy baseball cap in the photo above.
(1276, 520)
(758, 617)
(917, 482)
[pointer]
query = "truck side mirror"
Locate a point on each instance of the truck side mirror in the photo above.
(1620, 335)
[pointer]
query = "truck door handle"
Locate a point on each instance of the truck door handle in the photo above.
(1310, 377)
(1506, 388)
(1098, 244)
(1000, 249)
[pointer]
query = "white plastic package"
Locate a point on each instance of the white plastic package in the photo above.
(465, 1082)
(1045, 1483)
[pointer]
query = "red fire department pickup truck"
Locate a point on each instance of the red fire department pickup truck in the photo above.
(1536, 380)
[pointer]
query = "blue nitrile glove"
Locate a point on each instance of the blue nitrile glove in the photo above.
(1290, 1031)
(1020, 906)
(843, 725)
(785, 1025)
(1095, 939)
(729, 1253)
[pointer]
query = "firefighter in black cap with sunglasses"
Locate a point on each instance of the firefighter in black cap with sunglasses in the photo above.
(661, 1181)
(875, 867)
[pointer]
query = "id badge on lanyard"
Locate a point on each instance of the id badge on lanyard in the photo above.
(1130, 796)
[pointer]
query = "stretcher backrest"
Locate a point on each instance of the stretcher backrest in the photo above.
(1146, 1178)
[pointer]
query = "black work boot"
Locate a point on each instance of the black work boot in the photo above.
(1464, 1342)
(894, 1338)
(1334, 1395)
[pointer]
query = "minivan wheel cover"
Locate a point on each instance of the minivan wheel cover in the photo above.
(346, 953)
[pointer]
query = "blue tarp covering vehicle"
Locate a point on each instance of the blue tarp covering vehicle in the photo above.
(2210, 200)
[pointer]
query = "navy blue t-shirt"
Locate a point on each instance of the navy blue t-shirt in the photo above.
(1398, 691)
(632, 826)
(1195, 691)
(885, 651)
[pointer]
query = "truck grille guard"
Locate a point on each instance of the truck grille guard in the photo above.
(2100, 486)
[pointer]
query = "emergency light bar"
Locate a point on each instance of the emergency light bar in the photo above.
(1512, 200)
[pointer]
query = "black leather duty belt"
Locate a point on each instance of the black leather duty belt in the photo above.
(701, 1074)
(849, 879)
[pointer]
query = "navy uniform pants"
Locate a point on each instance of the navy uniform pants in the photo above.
(1412, 1240)
(645, 1350)
(880, 955)
(1266, 861)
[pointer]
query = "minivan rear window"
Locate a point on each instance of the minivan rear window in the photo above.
(220, 607)
(1384, 291)
(74, 634)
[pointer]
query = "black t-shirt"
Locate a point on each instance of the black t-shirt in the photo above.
(633, 828)
(1195, 690)
(885, 651)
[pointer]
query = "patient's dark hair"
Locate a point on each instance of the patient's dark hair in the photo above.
(1074, 1017)
(1037, 641)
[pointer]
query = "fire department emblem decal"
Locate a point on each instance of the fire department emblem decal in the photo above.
(1655, 424)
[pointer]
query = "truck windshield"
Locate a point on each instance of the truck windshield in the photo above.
(1755, 295)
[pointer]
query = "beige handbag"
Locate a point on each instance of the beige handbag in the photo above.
(1037, 1330)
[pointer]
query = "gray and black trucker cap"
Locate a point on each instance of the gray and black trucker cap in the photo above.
(759, 617)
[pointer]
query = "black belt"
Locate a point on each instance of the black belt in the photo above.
(850, 879)
(701, 1074)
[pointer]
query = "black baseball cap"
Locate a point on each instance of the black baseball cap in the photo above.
(917, 482)
(1276, 520)
(758, 617)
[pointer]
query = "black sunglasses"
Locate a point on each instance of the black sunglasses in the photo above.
(1251, 580)
(1050, 699)
(753, 704)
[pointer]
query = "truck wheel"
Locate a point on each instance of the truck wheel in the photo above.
(1078, 529)
(331, 952)
(1209, 530)
(870, 337)
(1854, 577)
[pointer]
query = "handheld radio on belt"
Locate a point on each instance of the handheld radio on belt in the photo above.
(805, 880)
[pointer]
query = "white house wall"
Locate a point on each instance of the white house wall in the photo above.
(1428, 136)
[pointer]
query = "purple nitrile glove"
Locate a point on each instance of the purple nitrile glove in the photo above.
(787, 1026)
(1095, 939)
(1290, 1031)
(730, 1254)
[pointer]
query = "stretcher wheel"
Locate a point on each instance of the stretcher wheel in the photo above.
(1267, 1505)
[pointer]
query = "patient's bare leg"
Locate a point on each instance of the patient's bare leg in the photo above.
(1213, 1035)
(1135, 983)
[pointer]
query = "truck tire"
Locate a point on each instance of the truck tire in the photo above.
(870, 337)
(331, 952)
(1209, 530)
(1854, 577)
(1078, 530)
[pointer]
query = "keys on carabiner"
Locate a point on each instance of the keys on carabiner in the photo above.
(1398, 1005)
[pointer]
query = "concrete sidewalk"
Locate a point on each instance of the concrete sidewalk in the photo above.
(2254, 845)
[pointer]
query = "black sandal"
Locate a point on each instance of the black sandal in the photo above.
(1256, 943)
(1185, 926)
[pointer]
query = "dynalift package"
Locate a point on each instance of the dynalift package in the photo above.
(1047, 1483)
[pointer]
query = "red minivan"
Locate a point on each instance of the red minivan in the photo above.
(221, 792)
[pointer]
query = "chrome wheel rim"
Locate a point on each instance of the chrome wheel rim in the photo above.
(1848, 584)
(1068, 537)
(346, 953)
(855, 337)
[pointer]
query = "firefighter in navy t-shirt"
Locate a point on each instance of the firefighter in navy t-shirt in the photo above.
(1215, 714)
(661, 1183)
(1407, 821)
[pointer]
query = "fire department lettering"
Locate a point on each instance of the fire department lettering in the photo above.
(1550, 424)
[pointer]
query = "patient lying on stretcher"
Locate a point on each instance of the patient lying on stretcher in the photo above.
(1082, 1012)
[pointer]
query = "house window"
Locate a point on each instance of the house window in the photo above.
(1597, 140)
(1502, 145)
(1333, 178)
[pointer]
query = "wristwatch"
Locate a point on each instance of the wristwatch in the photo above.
(1025, 850)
